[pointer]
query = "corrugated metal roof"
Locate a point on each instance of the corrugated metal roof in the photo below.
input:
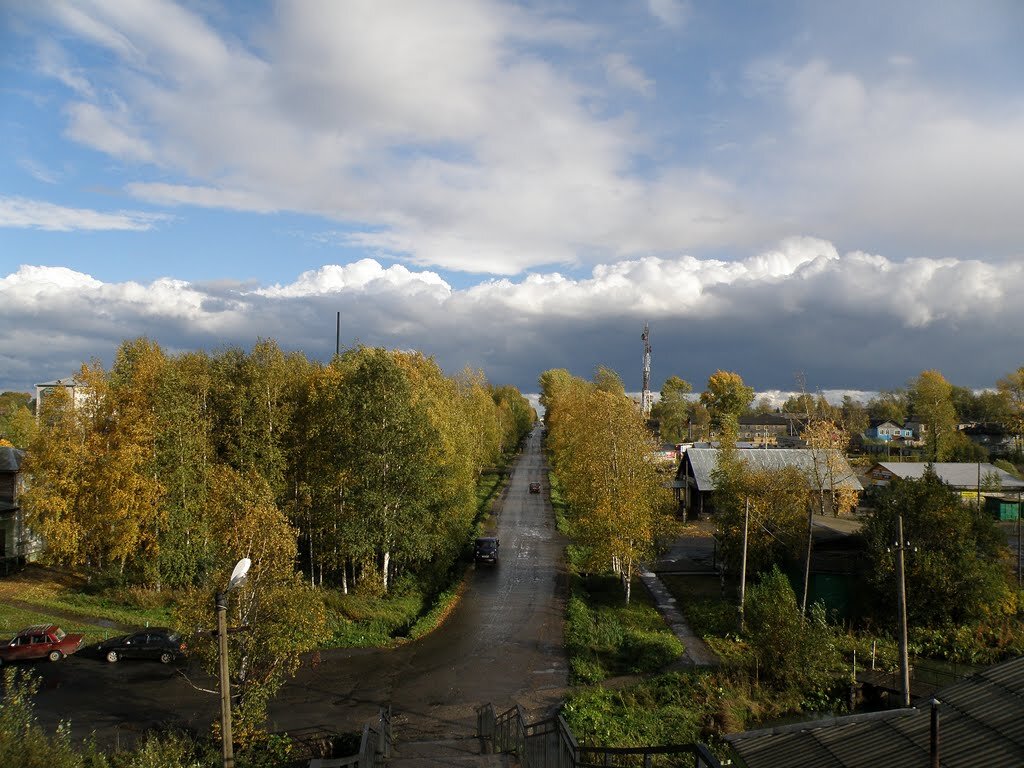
(10, 459)
(957, 474)
(703, 460)
(981, 722)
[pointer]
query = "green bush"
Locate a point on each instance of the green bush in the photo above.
(791, 652)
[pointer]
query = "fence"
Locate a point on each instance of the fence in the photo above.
(550, 743)
(374, 746)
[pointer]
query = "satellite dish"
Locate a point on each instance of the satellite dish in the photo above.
(241, 571)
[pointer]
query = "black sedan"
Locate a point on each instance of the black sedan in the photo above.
(157, 643)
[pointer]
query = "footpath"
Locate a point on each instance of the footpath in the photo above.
(696, 652)
(688, 555)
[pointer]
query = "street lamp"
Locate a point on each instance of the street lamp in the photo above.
(237, 577)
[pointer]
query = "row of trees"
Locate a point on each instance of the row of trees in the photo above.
(370, 461)
(17, 422)
(167, 469)
(928, 399)
(602, 454)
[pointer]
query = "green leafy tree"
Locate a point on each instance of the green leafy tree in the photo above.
(854, 416)
(954, 573)
(672, 411)
(515, 415)
(1011, 387)
(726, 397)
(95, 497)
(183, 457)
(283, 616)
(776, 501)
(17, 422)
(318, 502)
(386, 435)
(601, 451)
(791, 652)
(889, 405)
(607, 380)
(829, 476)
(23, 741)
(931, 398)
(553, 385)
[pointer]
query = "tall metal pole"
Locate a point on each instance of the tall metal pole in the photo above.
(743, 565)
(902, 598)
(1018, 541)
(225, 682)
(807, 559)
(646, 398)
(337, 337)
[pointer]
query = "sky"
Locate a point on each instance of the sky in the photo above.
(777, 187)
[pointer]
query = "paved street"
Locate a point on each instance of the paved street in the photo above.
(503, 643)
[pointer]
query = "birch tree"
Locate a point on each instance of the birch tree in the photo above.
(726, 397)
(283, 617)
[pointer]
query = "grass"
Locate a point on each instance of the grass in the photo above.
(488, 487)
(700, 598)
(40, 595)
(605, 637)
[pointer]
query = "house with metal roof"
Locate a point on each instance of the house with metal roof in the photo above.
(968, 476)
(695, 484)
(976, 721)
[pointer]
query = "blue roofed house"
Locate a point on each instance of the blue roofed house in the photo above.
(887, 431)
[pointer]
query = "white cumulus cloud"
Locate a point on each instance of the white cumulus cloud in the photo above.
(848, 320)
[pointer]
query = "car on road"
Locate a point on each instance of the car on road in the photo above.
(486, 549)
(156, 643)
(534, 487)
(40, 641)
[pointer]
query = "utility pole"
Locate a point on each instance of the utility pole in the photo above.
(226, 737)
(337, 337)
(901, 587)
(646, 398)
(743, 563)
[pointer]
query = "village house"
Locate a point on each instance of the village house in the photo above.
(695, 486)
(17, 545)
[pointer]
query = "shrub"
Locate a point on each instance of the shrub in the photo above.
(790, 652)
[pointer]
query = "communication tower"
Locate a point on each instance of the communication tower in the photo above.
(646, 398)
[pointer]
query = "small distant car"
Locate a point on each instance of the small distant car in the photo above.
(41, 641)
(486, 549)
(156, 643)
(534, 487)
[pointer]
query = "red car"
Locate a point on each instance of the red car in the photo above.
(42, 641)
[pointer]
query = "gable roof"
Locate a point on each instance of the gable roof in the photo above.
(955, 473)
(981, 722)
(703, 460)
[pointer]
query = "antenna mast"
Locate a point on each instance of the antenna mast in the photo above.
(646, 398)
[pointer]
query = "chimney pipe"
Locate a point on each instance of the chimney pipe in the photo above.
(935, 733)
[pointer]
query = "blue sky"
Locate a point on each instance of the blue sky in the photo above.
(775, 187)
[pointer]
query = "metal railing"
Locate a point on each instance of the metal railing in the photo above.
(374, 746)
(549, 743)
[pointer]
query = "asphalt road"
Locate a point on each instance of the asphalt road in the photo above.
(502, 644)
